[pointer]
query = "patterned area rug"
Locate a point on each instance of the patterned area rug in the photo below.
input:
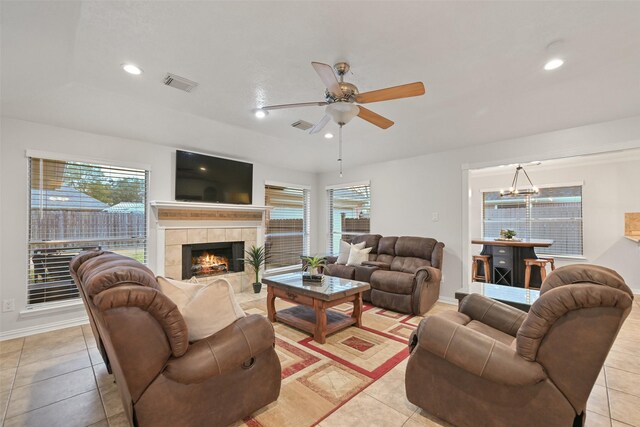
(317, 379)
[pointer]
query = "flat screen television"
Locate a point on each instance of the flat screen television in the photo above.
(201, 178)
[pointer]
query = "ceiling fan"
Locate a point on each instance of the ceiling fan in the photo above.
(341, 96)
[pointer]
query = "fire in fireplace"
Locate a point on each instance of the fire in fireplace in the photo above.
(206, 259)
(207, 264)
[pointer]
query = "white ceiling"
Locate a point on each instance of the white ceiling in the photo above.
(480, 61)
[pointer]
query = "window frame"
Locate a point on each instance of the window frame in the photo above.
(328, 209)
(40, 307)
(542, 251)
(306, 221)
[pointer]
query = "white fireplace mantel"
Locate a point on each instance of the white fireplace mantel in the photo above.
(179, 223)
(169, 204)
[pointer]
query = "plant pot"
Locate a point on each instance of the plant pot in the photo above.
(312, 271)
(257, 287)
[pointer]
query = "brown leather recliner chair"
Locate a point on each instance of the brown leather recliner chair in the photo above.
(493, 365)
(163, 379)
(404, 272)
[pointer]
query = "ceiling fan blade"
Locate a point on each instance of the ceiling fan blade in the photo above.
(374, 118)
(320, 125)
(328, 77)
(396, 92)
(300, 104)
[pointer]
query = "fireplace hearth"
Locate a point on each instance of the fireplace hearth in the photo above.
(208, 259)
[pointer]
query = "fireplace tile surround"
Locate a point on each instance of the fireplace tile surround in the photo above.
(174, 238)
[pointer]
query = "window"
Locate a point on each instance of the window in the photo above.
(555, 213)
(288, 225)
(76, 206)
(349, 212)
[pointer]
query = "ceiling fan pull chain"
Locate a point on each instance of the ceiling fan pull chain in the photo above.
(340, 149)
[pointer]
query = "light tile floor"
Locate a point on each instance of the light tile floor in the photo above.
(58, 379)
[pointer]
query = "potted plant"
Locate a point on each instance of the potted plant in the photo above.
(256, 257)
(312, 264)
(507, 234)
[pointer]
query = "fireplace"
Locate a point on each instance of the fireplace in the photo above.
(208, 259)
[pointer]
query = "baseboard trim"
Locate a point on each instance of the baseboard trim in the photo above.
(448, 300)
(53, 326)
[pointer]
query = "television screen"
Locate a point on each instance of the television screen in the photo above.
(212, 179)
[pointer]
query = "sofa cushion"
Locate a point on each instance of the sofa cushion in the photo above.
(392, 281)
(180, 292)
(358, 256)
(377, 264)
(206, 309)
(370, 241)
(387, 246)
(345, 251)
(408, 264)
(415, 247)
(339, 270)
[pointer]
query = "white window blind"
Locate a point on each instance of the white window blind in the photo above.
(349, 210)
(555, 213)
(288, 225)
(77, 206)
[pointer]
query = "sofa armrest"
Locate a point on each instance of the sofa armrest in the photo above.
(477, 353)
(363, 272)
(428, 274)
(380, 265)
(222, 352)
(498, 315)
(330, 259)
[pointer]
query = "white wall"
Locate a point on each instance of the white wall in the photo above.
(406, 192)
(17, 136)
(609, 190)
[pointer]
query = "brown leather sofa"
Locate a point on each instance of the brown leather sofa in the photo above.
(493, 365)
(404, 272)
(163, 379)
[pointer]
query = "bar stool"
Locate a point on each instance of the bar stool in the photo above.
(487, 270)
(551, 261)
(541, 263)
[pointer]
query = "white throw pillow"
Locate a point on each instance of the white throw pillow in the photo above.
(345, 250)
(358, 256)
(206, 309)
(178, 291)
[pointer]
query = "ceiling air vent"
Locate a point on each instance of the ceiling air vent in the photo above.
(302, 125)
(179, 82)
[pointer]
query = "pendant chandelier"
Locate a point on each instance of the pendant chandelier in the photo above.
(524, 191)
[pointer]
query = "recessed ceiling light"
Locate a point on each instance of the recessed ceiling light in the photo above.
(553, 64)
(202, 168)
(260, 113)
(132, 69)
(328, 135)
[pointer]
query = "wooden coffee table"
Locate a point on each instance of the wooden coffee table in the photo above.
(311, 315)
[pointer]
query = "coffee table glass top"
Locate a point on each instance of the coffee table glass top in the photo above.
(330, 289)
(502, 293)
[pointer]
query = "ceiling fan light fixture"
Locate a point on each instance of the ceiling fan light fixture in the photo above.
(260, 113)
(553, 64)
(555, 55)
(342, 112)
(132, 69)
